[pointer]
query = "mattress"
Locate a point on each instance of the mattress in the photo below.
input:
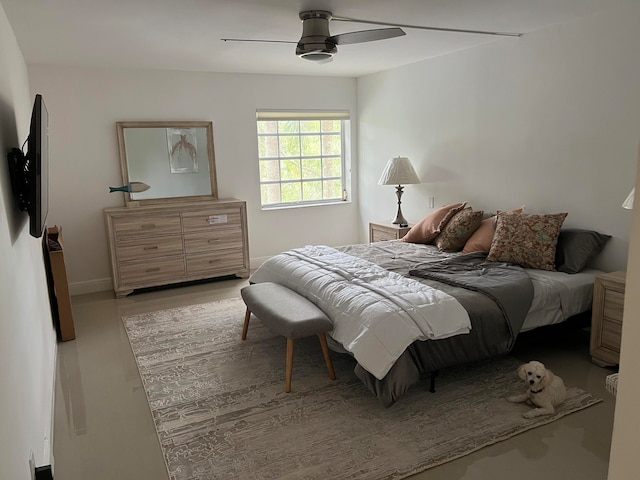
(558, 296)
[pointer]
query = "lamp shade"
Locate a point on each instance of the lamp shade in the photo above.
(399, 171)
(628, 203)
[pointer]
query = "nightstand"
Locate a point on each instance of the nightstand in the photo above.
(606, 320)
(381, 231)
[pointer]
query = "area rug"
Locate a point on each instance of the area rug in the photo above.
(221, 412)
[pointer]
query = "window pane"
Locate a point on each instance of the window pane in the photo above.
(331, 125)
(267, 127)
(288, 126)
(291, 192)
(301, 161)
(310, 145)
(289, 146)
(268, 146)
(331, 167)
(269, 170)
(332, 189)
(310, 126)
(270, 193)
(331, 145)
(311, 168)
(311, 191)
(290, 169)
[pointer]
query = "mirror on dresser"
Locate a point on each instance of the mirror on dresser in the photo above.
(175, 159)
(178, 230)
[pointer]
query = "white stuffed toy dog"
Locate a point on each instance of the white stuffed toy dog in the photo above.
(544, 389)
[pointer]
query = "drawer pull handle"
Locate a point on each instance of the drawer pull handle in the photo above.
(214, 240)
(155, 247)
(156, 269)
(215, 260)
(148, 225)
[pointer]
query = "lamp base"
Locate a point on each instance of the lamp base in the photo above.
(399, 220)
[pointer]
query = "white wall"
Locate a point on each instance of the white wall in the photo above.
(27, 336)
(549, 120)
(84, 106)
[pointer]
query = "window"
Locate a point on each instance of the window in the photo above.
(302, 157)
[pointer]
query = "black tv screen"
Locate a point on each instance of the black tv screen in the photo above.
(30, 171)
(38, 158)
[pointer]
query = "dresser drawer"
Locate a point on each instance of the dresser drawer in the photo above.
(210, 220)
(142, 273)
(220, 262)
(148, 247)
(219, 239)
(137, 225)
(606, 319)
(380, 232)
(382, 235)
(611, 334)
(613, 304)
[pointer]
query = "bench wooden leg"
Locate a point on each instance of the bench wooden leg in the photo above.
(246, 324)
(287, 387)
(327, 358)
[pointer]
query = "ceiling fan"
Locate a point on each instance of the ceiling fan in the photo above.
(317, 44)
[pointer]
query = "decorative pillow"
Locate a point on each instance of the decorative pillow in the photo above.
(458, 230)
(480, 240)
(576, 248)
(430, 226)
(528, 240)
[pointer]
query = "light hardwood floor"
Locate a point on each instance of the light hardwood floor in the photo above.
(104, 430)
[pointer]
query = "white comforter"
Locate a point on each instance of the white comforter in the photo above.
(376, 314)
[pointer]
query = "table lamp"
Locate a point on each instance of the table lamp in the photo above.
(399, 171)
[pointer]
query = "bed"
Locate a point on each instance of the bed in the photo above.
(403, 309)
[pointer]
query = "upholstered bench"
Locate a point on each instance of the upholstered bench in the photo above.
(288, 314)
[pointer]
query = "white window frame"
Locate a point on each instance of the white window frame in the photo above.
(345, 157)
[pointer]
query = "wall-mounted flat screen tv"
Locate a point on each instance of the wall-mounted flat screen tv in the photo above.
(30, 171)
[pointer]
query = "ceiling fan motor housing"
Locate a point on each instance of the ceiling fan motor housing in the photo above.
(314, 43)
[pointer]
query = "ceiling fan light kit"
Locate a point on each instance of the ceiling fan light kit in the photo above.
(317, 44)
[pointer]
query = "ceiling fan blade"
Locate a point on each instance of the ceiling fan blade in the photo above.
(252, 40)
(366, 36)
(420, 27)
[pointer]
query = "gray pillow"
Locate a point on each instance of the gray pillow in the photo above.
(576, 248)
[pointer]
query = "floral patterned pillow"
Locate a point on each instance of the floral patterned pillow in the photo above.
(458, 230)
(430, 226)
(528, 240)
(481, 239)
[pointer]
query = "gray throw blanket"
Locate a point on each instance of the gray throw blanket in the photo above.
(507, 285)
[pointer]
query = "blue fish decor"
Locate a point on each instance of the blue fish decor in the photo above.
(132, 187)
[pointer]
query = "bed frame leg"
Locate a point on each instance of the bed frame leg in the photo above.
(432, 387)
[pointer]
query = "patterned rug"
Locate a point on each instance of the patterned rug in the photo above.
(220, 410)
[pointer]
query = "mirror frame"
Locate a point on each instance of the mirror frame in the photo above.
(124, 166)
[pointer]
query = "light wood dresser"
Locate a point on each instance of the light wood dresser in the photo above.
(381, 231)
(164, 244)
(606, 320)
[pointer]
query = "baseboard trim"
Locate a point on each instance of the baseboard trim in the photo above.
(47, 447)
(91, 286)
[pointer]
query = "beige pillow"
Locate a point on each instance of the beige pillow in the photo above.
(480, 240)
(430, 226)
(458, 230)
(527, 240)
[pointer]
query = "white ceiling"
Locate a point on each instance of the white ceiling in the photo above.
(185, 34)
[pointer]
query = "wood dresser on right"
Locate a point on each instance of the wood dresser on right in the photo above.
(606, 320)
